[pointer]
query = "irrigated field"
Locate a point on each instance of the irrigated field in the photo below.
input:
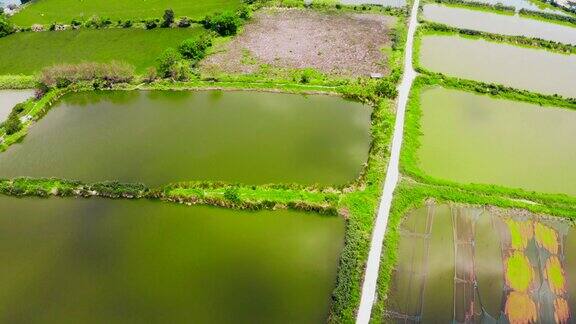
(27, 53)
(63, 11)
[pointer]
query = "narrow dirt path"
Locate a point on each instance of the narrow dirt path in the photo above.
(392, 176)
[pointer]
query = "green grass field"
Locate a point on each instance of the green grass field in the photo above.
(27, 53)
(63, 11)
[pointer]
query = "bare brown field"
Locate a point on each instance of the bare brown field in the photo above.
(342, 44)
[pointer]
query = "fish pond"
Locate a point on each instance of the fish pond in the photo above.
(161, 137)
(9, 99)
(499, 24)
(536, 70)
(121, 261)
(471, 138)
(459, 264)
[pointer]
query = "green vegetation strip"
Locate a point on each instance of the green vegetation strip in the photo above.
(29, 52)
(481, 6)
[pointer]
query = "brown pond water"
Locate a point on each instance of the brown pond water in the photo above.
(523, 68)
(499, 24)
(482, 265)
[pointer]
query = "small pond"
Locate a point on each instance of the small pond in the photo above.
(531, 69)
(471, 138)
(499, 24)
(9, 99)
(160, 137)
(459, 264)
(120, 261)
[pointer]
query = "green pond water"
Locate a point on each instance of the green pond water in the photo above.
(499, 24)
(111, 261)
(9, 99)
(452, 263)
(471, 138)
(160, 137)
(524, 68)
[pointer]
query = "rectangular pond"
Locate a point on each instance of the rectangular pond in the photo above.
(9, 99)
(459, 264)
(523, 68)
(499, 24)
(471, 138)
(161, 137)
(120, 261)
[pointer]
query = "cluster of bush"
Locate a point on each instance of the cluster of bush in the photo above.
(13, 124)
(6, 28)
(497, 6)
(105, 74)
(177, 63)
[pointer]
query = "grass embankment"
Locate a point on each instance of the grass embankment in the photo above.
(480, 6)
(63, 11)
(27, 53)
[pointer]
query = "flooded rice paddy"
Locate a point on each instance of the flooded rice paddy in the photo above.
(523, 68)
(120, 261)
(160, 137)
(471, 138)
(499, 24)
(9, 99)
(460, 264)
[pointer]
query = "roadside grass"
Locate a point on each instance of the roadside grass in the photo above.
(63, 11)
(28, 52)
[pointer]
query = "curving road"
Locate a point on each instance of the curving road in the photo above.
(392, 176)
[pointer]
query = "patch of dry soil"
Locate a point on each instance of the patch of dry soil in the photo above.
(343, 44)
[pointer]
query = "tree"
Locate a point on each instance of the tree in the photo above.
(168, 18)
(166, 61)
(195, 48)
(225, 24)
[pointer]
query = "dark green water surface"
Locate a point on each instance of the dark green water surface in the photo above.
(107, 261)
(160, 137)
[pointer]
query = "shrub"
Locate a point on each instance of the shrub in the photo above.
(168, 18)
(13, 124)
(232, 194)
(151, 75)
(65, 74)
(225, 24)
(387, 88)
(195, 48)
(37, 28)
(127, 24)
(180, 71)
(184, 22)
(75, 23)
(19, 108)
(6, 28)
(151, 24)
(166, 61)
